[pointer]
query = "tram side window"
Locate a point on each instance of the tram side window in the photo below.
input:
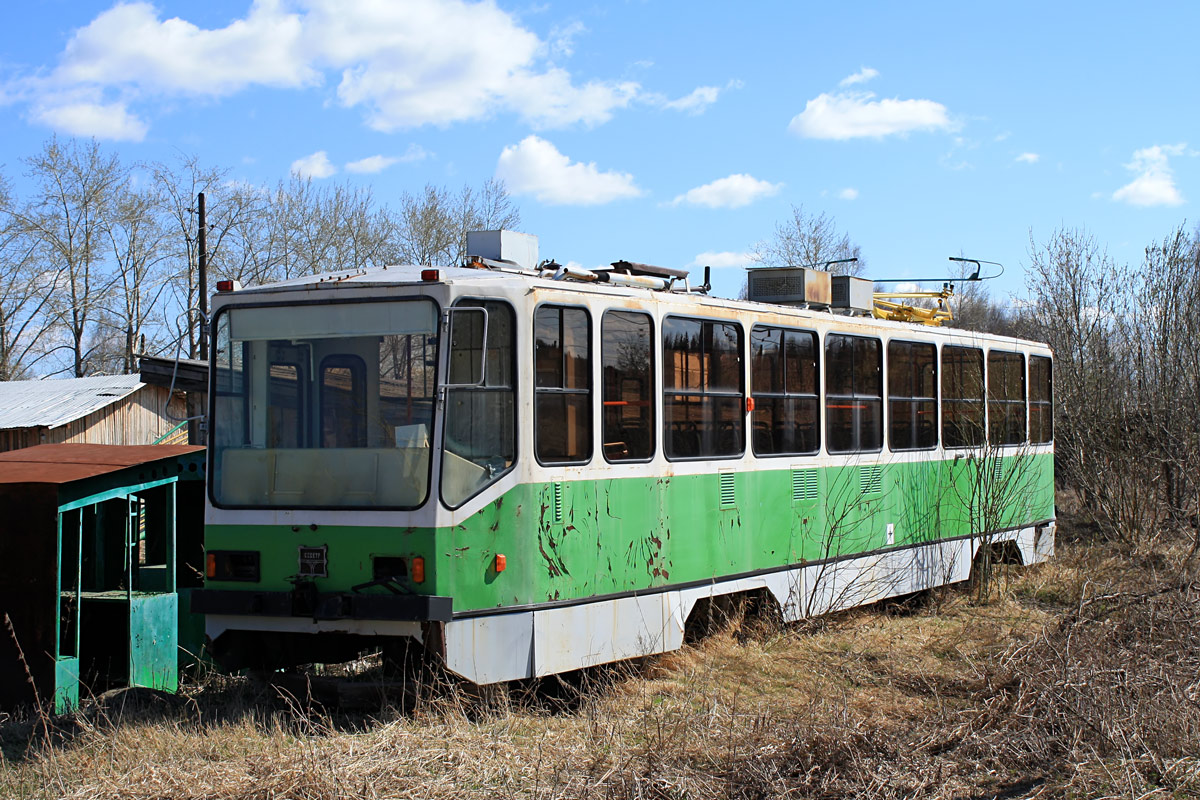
(1041, 395)
(912, 395)
(480, 427)
(1006, 397)
(343, 398)
(627, 359)
(563, 385)
(962, 396)
(703, 391)
(783, 378)
(853, 394)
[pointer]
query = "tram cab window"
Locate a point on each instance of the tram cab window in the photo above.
(912, 395)
(1041, 394)
(324, 405)
(703, 389)
(1006, 397)
(480, 435)
(853, 393)
(783, 381)
(562, 359)
(627, 359)
(962, 396)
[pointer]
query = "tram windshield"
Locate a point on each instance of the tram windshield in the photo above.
(324, 406)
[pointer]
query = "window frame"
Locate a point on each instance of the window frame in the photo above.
(703, 394)
(981, 399)
(588, 392)
(514, 387)
(1023, 402)
(818, 424)
(651, 394)
(221, 317)
(1047, 403)
(911, 399)
(854, 395)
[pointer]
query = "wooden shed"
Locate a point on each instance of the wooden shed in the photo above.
(105, 409)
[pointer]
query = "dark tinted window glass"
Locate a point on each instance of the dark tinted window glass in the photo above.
(702, 389)
(627, 359)
(343, 402)
(853, 393)
(962, 396)
(783, 373)
(562, 395)
(1041, 395)
(912, 396)
(1006, 397)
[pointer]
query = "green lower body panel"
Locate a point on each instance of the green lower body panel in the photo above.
(573, 540)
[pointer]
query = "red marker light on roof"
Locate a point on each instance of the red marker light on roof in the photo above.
(228, 286)
(431, 275)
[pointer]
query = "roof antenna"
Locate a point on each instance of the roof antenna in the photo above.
(977, 262)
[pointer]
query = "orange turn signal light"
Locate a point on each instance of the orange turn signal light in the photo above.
(749, 404)
(418, 569)
(210, 566)
(501, 562)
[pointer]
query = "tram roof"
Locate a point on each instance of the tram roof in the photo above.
(398, 275)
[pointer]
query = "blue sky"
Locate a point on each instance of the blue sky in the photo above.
(673, 134)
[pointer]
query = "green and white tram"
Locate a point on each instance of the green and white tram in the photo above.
(534, 470)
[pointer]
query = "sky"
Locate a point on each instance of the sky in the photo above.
(664, 133)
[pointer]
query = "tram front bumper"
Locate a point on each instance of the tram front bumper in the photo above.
(324, 606)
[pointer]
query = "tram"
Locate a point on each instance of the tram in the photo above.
(529, 469)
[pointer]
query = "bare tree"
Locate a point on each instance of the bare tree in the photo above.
(1163, 337)
(230, 207)
(75, 187)
(431, 228)
(807, 239)
(27, 284)
(137, 238)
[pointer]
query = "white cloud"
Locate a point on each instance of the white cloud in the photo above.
(1155, 182)
(130, 44)
(316, 165)
(722, 260)
(370, 165)
(735, 191)
(695, 103)
(562, 39)
(101, 120)
(862, 76)
(849, 193)
(850, 115)
(1027, 158)
(536, 167)
(402, 65)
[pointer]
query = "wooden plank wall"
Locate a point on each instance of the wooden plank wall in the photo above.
(136, 419)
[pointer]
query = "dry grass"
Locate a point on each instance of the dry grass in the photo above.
(1080, 681)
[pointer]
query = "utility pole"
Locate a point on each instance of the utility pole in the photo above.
(202, 238)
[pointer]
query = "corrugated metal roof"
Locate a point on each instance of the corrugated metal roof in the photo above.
(51, 403)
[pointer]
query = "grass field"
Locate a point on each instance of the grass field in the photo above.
(1081, 679)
